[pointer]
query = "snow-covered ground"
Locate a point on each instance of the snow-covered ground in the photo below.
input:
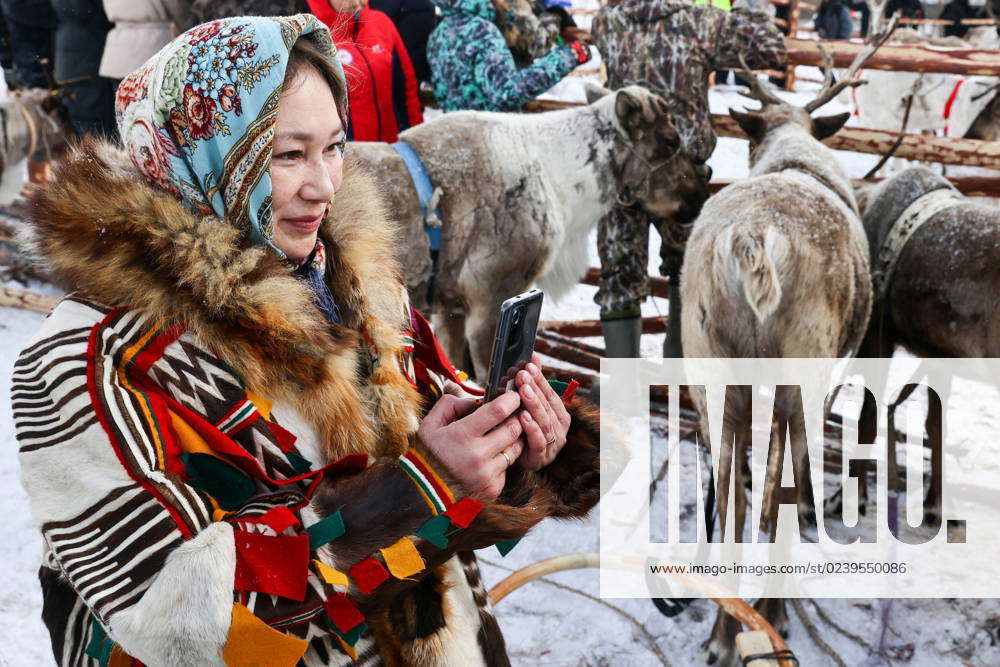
(559, 620)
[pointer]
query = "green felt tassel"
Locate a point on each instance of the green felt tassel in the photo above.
(229, 486)
(504, 546)
(300, 464)
(100, 646)
(433, 530)
(352, 637)
(558, 386)
(326, 530)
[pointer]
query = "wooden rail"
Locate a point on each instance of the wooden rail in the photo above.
(657, 286)
(899, 57)
(970, 186)
(927, 148)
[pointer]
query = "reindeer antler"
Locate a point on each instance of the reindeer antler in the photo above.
(758, 91)
(876, 38)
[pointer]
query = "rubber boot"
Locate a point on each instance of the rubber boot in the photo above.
(621, 337)
(672, 348)
(621, 340)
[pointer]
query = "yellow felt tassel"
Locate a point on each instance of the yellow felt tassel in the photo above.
(403, 559)
(330, 575)
(253, 643)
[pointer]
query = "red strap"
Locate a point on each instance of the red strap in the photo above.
(951, 100)
(274, 564)
(429, 352)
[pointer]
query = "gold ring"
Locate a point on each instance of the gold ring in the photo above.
(505, 457)
(551, 441)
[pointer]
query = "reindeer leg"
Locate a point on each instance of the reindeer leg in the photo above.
(934, 440)
(449, 327)
(775, 610)
(479, 329)
(775, 463)
(720, 649)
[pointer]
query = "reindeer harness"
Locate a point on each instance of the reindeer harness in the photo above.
(925, 207)
(429, 197)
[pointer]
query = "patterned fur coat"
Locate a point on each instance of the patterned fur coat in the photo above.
(219, 474)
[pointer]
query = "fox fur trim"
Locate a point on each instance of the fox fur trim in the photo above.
(104, 233)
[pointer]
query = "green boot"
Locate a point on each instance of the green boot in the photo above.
(622, 336)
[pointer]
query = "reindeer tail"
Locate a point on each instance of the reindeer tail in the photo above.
(757, 256)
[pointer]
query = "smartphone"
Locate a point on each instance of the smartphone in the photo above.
(514, 340)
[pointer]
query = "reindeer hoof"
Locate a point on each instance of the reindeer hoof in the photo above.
(720, 656)
(708, 655)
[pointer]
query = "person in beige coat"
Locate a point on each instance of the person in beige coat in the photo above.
(142, 27)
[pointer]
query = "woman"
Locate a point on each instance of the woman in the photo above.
(221, 431)
(472, 68)
(380, 77)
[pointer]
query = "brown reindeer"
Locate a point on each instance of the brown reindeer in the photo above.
(520, 196)
(913, 221)
(776, 266)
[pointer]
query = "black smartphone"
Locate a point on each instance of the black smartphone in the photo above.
(514, 340)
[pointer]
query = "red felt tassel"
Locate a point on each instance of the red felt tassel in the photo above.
(464, 511)
(274, 564)
(368, 575)
(284, 437)
(342, 612)
(570, 392)
(278, 519)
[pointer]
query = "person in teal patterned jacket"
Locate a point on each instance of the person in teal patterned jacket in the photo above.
(472, 68)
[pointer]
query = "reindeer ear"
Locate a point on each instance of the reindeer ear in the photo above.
(827, 126)
(594, 91)
(751, 122)
(629, 110)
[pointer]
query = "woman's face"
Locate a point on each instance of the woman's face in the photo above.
(307, 162)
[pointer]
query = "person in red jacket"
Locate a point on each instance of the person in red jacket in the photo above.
(380, 78)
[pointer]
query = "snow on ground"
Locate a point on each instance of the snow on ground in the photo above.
(559, 620)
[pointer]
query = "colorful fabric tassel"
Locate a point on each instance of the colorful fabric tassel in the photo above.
(100, 646)
(505, 546)
(330, 575)
(464, 511)
(368, 575)
(252, 642)
(403, 559)
(273, 564)
(325, 530)
(278, 519)
(343, 613)
(434, 529)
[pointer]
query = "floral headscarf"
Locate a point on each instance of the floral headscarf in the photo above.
(198, 118)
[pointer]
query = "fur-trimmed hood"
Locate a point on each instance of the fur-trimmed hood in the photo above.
(104, 233)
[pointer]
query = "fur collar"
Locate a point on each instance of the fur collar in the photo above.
(103, 233)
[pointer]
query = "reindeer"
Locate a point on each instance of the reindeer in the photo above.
(776, 266)
(915, 220)
(521, 194)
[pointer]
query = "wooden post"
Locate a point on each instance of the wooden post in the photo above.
(793, 32)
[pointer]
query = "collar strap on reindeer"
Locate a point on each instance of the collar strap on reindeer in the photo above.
(428, 196)
(910, 220)
(426, 192)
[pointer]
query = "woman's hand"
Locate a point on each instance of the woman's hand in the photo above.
(459, 435)
(544, 419)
